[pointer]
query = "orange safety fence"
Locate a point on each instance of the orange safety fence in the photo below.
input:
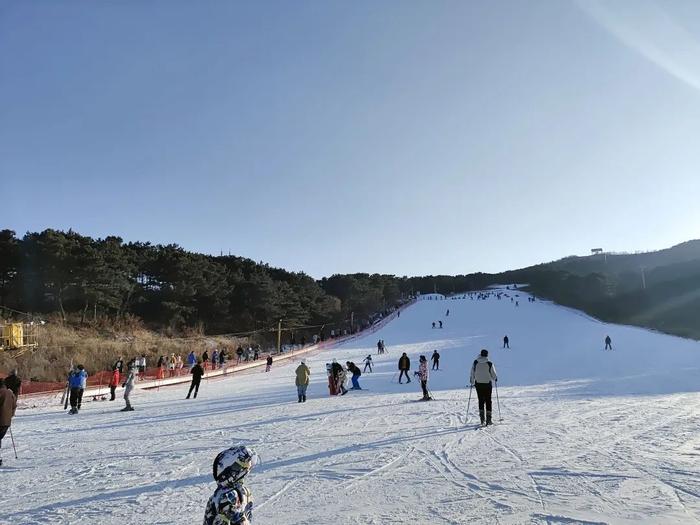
(103, 377)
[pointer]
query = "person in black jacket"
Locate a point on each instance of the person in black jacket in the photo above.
(13, 382)
(355, 371)
(197, 373)
(435, 358)
(404, 367)
(506, 342)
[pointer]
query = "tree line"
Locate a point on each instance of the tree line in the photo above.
(80, 279)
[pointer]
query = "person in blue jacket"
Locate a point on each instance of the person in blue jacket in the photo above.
(77, 382)
(191, 360)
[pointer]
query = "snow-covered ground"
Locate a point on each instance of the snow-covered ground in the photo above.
(586, 436)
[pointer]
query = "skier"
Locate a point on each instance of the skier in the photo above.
(433, 324)
(356, 373)
(379, 346)
(423, 374)
(197, 372)
(302, 380)
(483, 372)
(232, 502)
(383, 346)
(608, 343)
(436, 360)
(128, 386)
(447, 314)
(440, 323)
(8, 407)
(13, 382)
(113, 384)
(338, 373)
(506, 342)
(404, 367)
(77, 381)
(269, 363)
(368, 363)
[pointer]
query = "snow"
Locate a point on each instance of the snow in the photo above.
(586, 436)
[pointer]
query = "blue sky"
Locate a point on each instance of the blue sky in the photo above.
(398, 137)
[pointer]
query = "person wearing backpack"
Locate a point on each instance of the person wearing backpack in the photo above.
(482, 375)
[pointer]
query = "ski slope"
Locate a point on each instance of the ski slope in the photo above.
(586, 436)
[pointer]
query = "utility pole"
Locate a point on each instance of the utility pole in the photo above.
(644, 280)
(279, 336)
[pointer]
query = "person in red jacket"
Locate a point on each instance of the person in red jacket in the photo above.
(114, 383)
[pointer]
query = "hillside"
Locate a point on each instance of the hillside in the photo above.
(582, 436)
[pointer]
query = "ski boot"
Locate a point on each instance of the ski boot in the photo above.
(488, 419)
(303, 398)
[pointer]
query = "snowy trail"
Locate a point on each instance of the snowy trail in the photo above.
(586, 437)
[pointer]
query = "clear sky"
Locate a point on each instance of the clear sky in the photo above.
(380, 136)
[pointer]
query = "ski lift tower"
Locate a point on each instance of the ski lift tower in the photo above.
(598, 251)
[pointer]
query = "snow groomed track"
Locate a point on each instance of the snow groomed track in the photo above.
(587, 436)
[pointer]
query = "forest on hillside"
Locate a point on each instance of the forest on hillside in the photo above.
(80, 280)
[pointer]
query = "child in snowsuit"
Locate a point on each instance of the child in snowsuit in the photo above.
(232, 502)
(113, 384)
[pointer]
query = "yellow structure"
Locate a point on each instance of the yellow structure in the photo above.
(17, 335)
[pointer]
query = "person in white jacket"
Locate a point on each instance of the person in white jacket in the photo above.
(482, 375)
(128, 387)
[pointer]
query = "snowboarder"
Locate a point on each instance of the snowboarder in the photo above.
(302, 380)
(128, 386)
(506, 342)
(232, 502)
(404, 367)
(13, 382)
(368, 363)
(197, 372)
(113, 384)
(440, 323)
(608, 343)
(8, 407)
(269, 363)
(423, 375)
(356, 373)
(482, 374)
(436, 360)
(77, 381)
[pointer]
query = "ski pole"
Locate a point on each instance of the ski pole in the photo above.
(498, 403)
(394, 377)
(13, 443)
(470, 400)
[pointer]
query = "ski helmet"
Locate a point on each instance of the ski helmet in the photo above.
(233, 464)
